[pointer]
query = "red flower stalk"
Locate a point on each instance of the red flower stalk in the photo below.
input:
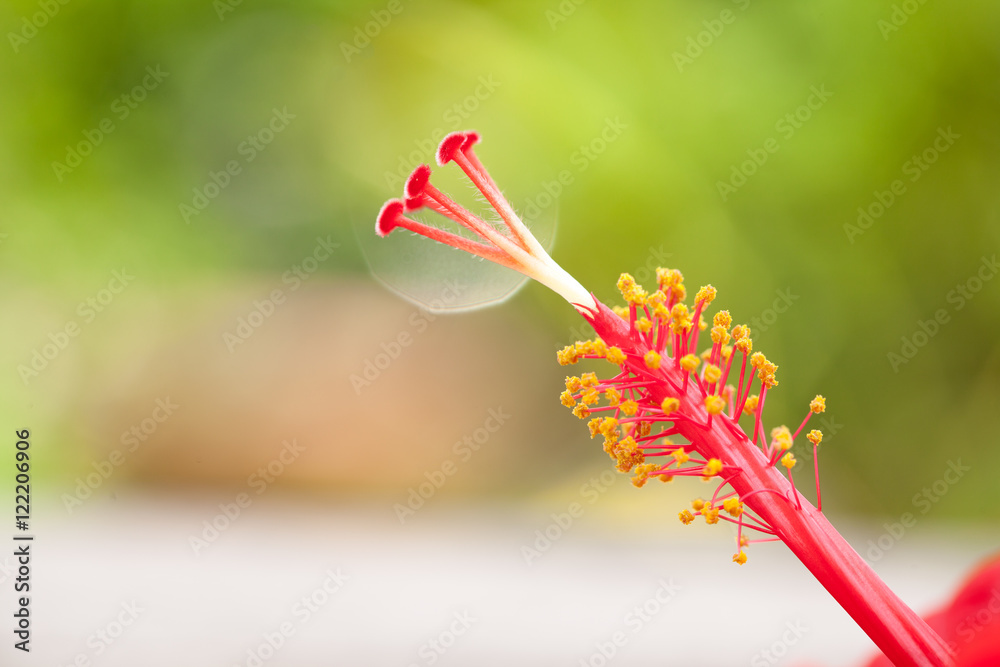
(664, 389)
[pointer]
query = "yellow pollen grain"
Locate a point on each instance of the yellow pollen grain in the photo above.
(615, 356)
(714, 405)
(689, 362)
(788, 460)
(680, 456)
(589, 380)
(629, 407)
(613, 396)
(573, 384)
(739, 558)
(706, 294)
(567, 399)
(722, 319)
(652, 360)
(642, 473)
(733, 507)
(751, 405)
(590, 396)
(581, 411)
(686, 517)
(643, 325)
(712, 373)
(711, 515)
(815, 436)
(818, 404)
(567, 356)
(670, 404)
(712, 468)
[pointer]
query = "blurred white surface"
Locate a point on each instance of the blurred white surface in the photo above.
(457, 576)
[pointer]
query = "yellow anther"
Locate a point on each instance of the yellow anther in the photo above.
(590, 396)
(615, 356)
(720, 335)
(781, 437)
(722, 319)
(600, 347)
(712, 373)
(714, 405)
(666, 478)
(589, 380)
(733, 507)
(751, 405)
(757, 359)
(711, 515)
(629, 455)
(608, 424)
(712, 468)
(629, 407)
(652, 360)
(726, 352)
(644, 429)
(667, 278)
(680, 456)
(740, 558)
(788, 460)
(818, 404)
(744, 541)
(686, 517)
(670, 404)
(613, 396)
(567, 356)
(706, 294)
(642, 473)
(741, 331)
(643, 325)
(573, 384)
(626, 283)
(744, 345)
(567, 399)
(680, 319)
(620, 311)
(581, 411)
(815, 436)
(595, 426)
(697, 504)
(689, 362)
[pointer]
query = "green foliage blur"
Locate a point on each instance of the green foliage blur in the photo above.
(756, 147)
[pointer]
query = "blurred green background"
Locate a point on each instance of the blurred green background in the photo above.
(117, 115)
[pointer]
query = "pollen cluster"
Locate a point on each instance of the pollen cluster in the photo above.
(655, 414)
